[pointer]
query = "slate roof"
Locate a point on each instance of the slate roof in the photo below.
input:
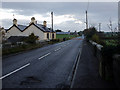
(62, 32)
(21, 27)
(40, 26)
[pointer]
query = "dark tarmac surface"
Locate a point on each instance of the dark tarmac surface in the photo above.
(87, 74)
(47, 67)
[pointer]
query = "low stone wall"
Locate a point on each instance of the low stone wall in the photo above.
(97, 53)
(116, 69)
(105, 69)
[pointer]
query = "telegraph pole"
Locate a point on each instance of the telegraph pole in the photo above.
(52, 20)
(52, 23)
(86, 20)
(99, 27)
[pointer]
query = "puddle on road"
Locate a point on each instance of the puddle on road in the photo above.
(30, 80)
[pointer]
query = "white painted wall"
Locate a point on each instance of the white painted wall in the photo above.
(35, 30)
(54, 35)
(32, 29)
(45, 36)
(13, 32)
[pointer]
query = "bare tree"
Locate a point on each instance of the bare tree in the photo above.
(110, 26)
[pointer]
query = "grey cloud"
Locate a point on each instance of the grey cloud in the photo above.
(97, 12)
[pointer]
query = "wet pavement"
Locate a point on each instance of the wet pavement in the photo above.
(87, 74)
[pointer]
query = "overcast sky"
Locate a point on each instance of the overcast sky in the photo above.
(67, 16)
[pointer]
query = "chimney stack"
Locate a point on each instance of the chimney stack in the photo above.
(45, 23)
(15, 22)
(33, 20)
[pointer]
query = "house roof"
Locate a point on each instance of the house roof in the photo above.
(62, 32)
(42, 27)
(39, 26)
(21, 27)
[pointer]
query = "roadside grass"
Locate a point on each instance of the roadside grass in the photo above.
(111, 42)
(21, 48)
(61, 36)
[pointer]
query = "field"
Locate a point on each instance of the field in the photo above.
(64, 36)
(111, 42)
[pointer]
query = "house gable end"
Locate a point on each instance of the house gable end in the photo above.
(12, 27)
(34, 25)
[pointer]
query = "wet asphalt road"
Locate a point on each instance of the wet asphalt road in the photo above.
(87, 73)
(47, 67)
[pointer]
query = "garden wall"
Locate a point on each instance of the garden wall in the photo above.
(97, 53)
(116, 69)
(107, 72)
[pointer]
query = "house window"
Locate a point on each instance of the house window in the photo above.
(47, 35)
(53, 36)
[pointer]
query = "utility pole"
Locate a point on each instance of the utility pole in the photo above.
(52, 23)
(99, 27)
(52, 20)
(86, 20)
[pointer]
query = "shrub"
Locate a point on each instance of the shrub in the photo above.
(90, 32)
(95, 38)
(107, 53)
(31, 39)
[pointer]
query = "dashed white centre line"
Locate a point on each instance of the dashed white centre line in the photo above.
(57, 49)
(44, 56)
(14, 71)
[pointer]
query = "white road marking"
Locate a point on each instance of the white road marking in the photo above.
(14, 71)
(44, 56)
(59, 43)
(57, 49)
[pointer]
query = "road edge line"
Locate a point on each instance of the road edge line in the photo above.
(6, 75)
(76, 67)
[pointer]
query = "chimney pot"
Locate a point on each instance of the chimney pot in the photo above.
(15, 22)
(33, 20)
(45, 23)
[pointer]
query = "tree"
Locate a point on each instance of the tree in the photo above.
(80, 33)
(31, 39)
(90, 32)
(58, 30)
(95, 38)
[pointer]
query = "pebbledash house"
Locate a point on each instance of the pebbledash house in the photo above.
(42, 31)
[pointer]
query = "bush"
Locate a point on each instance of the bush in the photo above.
(31, 39)
(90, 32)
(107, 53)
(95, 38)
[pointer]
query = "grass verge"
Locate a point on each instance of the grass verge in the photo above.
(21, 48)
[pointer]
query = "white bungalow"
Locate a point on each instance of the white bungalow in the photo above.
(42, 31)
